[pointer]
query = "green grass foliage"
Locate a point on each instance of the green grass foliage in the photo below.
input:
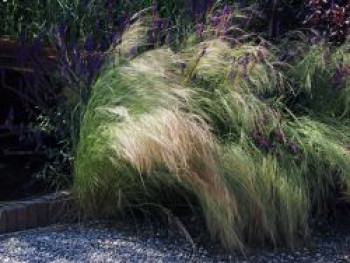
(253, 145)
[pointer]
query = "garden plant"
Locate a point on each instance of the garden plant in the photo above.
(223, 107)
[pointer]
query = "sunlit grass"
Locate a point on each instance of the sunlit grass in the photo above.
(213, 124)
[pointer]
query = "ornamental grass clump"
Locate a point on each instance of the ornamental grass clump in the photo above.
(236, 85)
(321, 72)
(151, 143)
(212, 127)
(272, 206)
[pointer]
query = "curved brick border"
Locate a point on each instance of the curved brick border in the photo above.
(36, 212)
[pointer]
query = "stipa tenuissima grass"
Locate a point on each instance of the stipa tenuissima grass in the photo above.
(160, 125)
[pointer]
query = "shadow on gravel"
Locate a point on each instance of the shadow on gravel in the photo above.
(107, 242)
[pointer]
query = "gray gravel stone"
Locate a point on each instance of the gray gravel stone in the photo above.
(103, 243)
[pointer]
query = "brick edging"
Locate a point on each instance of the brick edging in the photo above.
(36, 212)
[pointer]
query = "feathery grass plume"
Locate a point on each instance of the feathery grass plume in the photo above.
(321, 80)
(128, 84)
(238, 86)
(243, 67)
(227, 21)
(324, 158)
(273, 207)
(181, 144)
(137, 37)
(137, 140)
(230, 113)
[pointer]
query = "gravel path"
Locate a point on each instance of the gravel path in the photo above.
(103, 243)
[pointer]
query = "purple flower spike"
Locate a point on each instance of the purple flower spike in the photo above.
(154, 7)
(265, 143)
(293, 148)
(227, 10)
(215, 21)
